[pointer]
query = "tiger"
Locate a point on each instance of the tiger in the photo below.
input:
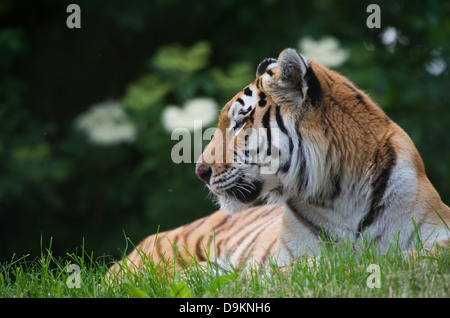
(300, 157)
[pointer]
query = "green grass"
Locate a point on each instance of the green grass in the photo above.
(338, 273)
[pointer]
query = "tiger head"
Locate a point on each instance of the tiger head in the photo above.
(253, 152)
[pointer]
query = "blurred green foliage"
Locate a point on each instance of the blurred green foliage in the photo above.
(147, 55)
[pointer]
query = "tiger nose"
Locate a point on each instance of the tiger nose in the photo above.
(204, 172)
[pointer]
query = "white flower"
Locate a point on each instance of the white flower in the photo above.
(326, 51)
(106, 124)
(204, 109)
(437, 65)
(389, 36)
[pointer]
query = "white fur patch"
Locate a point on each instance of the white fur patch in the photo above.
(242, 107)
(272, 65)
(304, 65)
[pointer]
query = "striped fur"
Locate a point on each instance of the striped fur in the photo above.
(323, 152)
(237, 239)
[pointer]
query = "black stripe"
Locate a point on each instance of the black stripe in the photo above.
(262, 102)
(336, 190)
(175, 239)
(244, 111)
(238, 220)
(358, 95)
(248, 91)
(325, 71)
(199, 248)
(301, 59)
(266, 125)
(291, 146)
(379, 184)
(313, 227)
(262, 67)
(251, 246)
(303, 180)
(283, 129)
(240, 101)
(191, 227)
(315, 93)
(243, 229)
(352, 88)
(220, 227)
(263, 260)
(280, 121)
(246, 149)
(250, 117)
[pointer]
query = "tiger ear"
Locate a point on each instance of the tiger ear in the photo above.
(292, 68)
(294, 81)
(266, 65)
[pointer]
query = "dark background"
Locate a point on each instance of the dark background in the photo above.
(56, 183)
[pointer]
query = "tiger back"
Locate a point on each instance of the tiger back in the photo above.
(328, 161)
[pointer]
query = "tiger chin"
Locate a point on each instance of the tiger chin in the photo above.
(330, 161)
